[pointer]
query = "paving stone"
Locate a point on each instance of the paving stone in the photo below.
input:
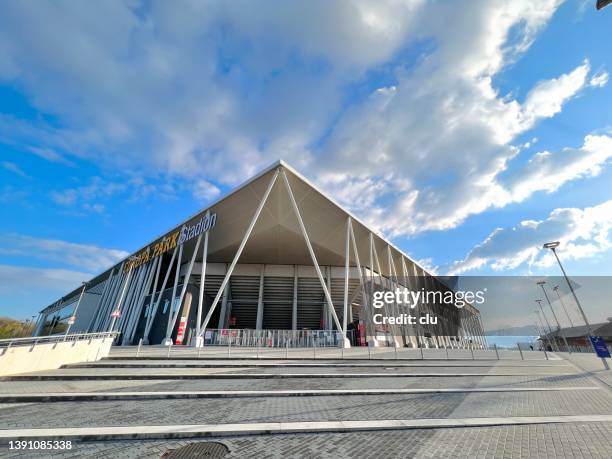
(588, 440)
(316, 408)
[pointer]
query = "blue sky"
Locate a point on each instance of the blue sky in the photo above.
(468, 132)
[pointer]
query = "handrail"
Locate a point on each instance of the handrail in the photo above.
(7, 343)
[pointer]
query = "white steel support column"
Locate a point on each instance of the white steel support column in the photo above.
(185, 284)
(199, 340)
(152, 309)
(377, 261)
(106, 318)
(346, 275)
(238, 252)
(396, 285)
(294, 309)
(168, 340)
(161, 293)
(141, 300)
(131, 308)
(129, 298)
(119, 303)
(77, 306)
(313, 257)
(472, 330)
(148, 270)
(260, 304)
(328, 322)
(395, 306)
(484, 337)
(102, 297)
(95, 324)
(366, 301)
(151, 315)
(223, 312)
(112, 299)
(409, 286)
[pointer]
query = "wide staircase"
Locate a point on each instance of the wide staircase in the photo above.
(186, 402)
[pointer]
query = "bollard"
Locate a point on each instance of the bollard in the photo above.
(287, 351)
(229, 347)
(342, 352)
(545, 354)
(139, 344)
(472, 351)
(169, 347)
(257, 346)
(314, 349)
(422, 356)
(199, 350)
(369, 352)
(445, 348)
(520, 350)
(496, 352)
(396, 352)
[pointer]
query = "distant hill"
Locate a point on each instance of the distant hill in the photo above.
(526, 330)
(11, 328)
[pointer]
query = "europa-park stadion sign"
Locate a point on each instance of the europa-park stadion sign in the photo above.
(169, 242)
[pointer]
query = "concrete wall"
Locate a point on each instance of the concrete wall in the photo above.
(50, 356)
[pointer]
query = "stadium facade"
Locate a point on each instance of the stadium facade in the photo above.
(275, 260)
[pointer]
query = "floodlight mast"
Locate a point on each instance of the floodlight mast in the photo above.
(541, 284)
(556, 289)
(553, 246)
(542, 330)
(551, 339)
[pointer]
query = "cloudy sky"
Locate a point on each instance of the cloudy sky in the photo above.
(467, 131)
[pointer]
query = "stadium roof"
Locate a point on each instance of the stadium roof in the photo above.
(276, 237)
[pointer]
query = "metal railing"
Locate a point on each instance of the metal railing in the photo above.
(273, 338)
(6, 344)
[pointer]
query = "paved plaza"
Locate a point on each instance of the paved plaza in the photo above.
(262, 403)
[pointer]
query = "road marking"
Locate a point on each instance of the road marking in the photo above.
(217, 430)
(148, 395)
(57, 376)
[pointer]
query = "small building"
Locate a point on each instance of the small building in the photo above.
(577, 337)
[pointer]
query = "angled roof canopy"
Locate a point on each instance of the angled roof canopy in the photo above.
(276, 237)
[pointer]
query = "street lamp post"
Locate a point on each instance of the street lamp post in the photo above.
(553, 246)
(551, 340)
(541, 284)
(556, 289)
(542, 330)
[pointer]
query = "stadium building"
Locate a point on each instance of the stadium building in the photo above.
(274, 262)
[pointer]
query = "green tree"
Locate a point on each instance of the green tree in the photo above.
(11, 328)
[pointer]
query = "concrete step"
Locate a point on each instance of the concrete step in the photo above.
(267, 428)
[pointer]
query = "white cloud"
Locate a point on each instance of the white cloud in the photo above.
(82, 256)
(87, 197)
(583, 233)
(211, 92)
(547, 98)
(14, 168)
(205, 191)
(49, 155)
(548, 171)
(21, 280)
(599, 80)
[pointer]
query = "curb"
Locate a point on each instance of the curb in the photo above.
(159, 395)
(221, 430)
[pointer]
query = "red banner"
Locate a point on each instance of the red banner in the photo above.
(181, 330)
